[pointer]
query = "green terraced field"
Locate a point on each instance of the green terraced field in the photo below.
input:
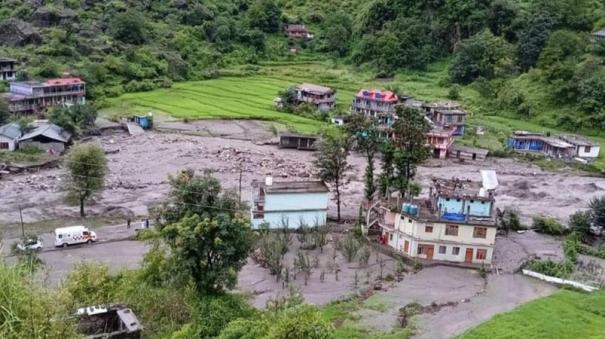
(566, 314)
(242, 94)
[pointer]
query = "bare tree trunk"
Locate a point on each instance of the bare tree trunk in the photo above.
(82, 214)
(338, 200)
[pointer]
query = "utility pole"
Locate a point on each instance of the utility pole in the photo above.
(240, 182)
(21, 217)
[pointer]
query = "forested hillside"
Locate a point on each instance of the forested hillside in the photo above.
(526, 58)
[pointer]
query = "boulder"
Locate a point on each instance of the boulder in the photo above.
(15, 32)
(49, 17)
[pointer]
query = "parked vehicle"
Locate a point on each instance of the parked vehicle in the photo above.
(30, 244)
(65, 236)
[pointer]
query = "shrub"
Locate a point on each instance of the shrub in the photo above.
(551, 268)
(548, 225)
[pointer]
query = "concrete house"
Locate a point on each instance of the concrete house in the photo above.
(375, 103)
(298, 31)
(297, 141)
(456, 223)
(441, 139)
(9, 136)
(467, 153)
(47, 137)
(584, 148)
(32, 96)
(529, 142)
(323, 98)
(289, 204)
(8, 72)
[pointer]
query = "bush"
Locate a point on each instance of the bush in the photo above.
(548, 225)
(551, 268)
(212, 314)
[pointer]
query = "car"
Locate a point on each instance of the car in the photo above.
(30, 244)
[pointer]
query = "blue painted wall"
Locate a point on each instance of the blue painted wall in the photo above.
(478, 208)
(310, 208)
(529, 145)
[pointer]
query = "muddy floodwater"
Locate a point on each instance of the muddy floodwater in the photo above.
(139, 167)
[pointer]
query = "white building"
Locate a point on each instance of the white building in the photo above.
(289, 204)
(455, 224)
(584, 148)
(9, 136)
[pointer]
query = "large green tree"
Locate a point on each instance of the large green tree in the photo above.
(331, 160)
(409, 132)
(265, 15)
(367, 140)
(75, 118)
(86, 169)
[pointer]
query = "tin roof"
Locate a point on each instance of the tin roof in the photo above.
(50, 131)
(11, 130)
(377, 95)
(315, 89)
(577, 140)
(311, 186)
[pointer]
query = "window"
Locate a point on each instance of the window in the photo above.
(428, 229)
(455, 250)
(3, 145)
(586, 149)
(60, 236)
(480, 232)
(442, 249)
(451, 230)
(481, 254)
(391, 236)
(85, 233)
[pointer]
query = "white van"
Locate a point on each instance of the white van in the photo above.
(65, 236)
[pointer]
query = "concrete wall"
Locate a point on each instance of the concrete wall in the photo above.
(292, 219)
(21, 89)
(296, 201)
(417, 229)
(478, 208)
(593, 153)
(11, 143)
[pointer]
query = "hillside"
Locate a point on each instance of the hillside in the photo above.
(525, 60)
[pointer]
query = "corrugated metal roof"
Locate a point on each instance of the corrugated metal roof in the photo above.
(11, 130)
(316, 89)
(50, 131)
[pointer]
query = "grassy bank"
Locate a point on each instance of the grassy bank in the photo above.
(566, 314)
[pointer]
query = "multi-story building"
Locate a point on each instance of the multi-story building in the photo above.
(441, 139)
(8, 72)
(33, 96)
(375, 103)
(323, 98)
(455, 224)
(289, 204)
(446, 114)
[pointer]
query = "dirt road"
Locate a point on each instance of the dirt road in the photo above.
(139, 167)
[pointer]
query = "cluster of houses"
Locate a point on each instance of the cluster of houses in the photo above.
(564, 146)
(41, 134)
(455, 223)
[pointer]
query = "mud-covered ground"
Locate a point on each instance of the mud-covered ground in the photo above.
(139, 167)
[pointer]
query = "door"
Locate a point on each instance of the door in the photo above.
(406, 246)
(429, 252)
(468, 257)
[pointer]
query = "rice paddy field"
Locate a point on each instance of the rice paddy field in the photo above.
(567, 314)
(248, 93)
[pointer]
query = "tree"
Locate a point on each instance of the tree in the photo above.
(193, 194)
(579, 223)
(265, 15)
(533, 38)
(386, 177)
(288, 99)
(337, 30)
(367, 141)
(597, 211)
(74, 119)
(209, 251)
(483, 55)
(129, 27)
(87, 167)
(331, 160)
(410, 143)
(350, 246)
(4, 112)
(501, 16)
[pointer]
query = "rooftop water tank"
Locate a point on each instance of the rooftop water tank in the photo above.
(413, 209)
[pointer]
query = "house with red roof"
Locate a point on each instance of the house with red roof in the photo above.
(30, 97)
(375, 103)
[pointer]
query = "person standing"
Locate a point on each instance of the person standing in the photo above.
(128, 223)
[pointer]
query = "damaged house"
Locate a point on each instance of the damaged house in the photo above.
(108, 321)
(47, 137)
(529, 142)
(456, 223)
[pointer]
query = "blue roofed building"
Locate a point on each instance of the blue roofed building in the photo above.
(289, 204)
